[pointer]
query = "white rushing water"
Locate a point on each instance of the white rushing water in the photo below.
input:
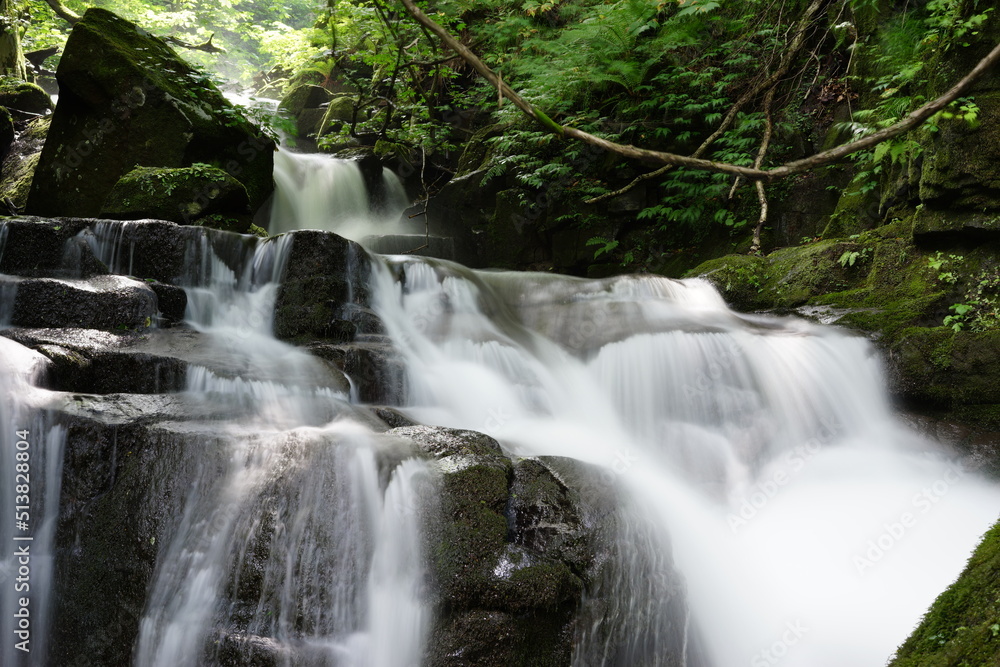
(288, 497)
(314, 191)
(812, 528)
(32, 471)
(757, 455)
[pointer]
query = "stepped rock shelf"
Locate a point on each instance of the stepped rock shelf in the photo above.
(232, 470)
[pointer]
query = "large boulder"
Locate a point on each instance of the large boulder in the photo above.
(126, 100)
(25, 99)
(200, 194)
(323, 293)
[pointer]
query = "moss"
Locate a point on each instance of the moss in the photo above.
(741, 279)
(16, 184)
(259, 232)
(200, 195)
(962, 627)
(339, 111)
(961, 163)
(23, 96)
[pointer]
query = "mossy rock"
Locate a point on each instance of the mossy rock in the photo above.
(188, 195)
(961, 163)
(126, 100)
(942, 368)
(304, 97)
(20, 163)
(930, 224)
(20, 95)
(740, 280)
(338, 112)
(962, 627)
(788, 277)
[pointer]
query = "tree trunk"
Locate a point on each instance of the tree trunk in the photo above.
(11, 55)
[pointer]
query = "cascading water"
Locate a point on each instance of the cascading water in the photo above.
(811, 527)
(316, 191)
(31, 469)
(32, 462)
(290, 540)
(757, 455)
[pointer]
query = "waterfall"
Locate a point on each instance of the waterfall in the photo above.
(314, 191)
(289, 540)
(756, 455)
(31, 467)
(811, 527)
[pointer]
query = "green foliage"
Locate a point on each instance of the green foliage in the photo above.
(904, 60)
(851, 257)
(257, 35)
(607, 245)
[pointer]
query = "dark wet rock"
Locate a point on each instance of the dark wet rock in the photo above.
(25, 100)
(188, 195)
(377, 373)
(171, 302)
(510, 555)
(102, 302)
(122, 489)
(126, 100)
(93, 362)
(325, 280)
(393, 418)
(243, 650)
(35, 246)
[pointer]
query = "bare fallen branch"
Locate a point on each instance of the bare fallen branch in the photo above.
(914, 119)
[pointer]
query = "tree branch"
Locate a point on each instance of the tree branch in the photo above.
(761, 154)
(63, 12)
(914, 119)
(207, 46)
(783, 66)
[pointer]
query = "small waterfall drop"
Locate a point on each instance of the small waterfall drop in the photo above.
(810, 526)
(314, 191)
(31, 467)
(289, 541)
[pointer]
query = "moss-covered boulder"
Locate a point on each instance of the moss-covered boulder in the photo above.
(962, 627)
(19, 165)
(961, 163)
(942, 368)
(339, 111)
(126, 100)
(307, 105)
(200, 194)
(21, 96)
